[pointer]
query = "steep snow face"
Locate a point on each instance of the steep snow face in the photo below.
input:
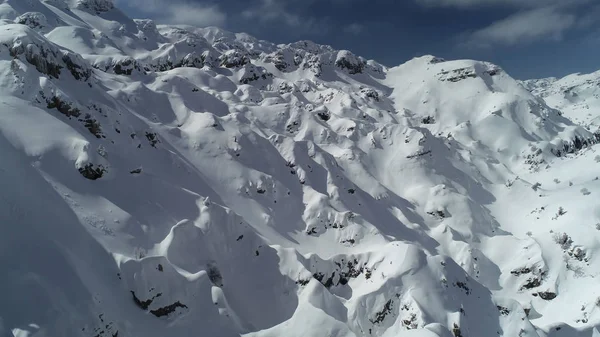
(163, 180)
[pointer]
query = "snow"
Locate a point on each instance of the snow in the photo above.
(164, 180)
(576, 95)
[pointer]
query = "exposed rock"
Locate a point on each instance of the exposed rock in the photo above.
(575, 145)
(165, 311)
(284, 59)
(152, 138)
(578, 253)
(136, 171)
(380, 315)
(77, 66)
(428, 120)
(463, 286)
(91, 172)
(457, 74)
(33, 20)
(521, 271)
(370, 93)
(98, 6)
(547, 295)
(503, 311)
(214, 275)
(63, 107)
(233, 59)
(456, 331)
(349, 61)
(324, 114)
(563, 239)
(532, 282)
(343, 273)
(439, 214)
(250, 73)
(142, 304)
(47, 58)
(93, 126)
(436, 60)
(125, 66)
(419, 154)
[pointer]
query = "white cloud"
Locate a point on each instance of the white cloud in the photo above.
(354, 28)
(525, 26)
(278, 11)
(533, 20)
(197, 15)
(270, 10)
(179, 12)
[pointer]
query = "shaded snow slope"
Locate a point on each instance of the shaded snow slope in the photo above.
(163, 180)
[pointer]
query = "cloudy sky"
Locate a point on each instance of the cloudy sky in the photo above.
(528, 38)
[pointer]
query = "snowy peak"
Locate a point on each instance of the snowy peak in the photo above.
(107, 32)
(171, 180)
(492, 100)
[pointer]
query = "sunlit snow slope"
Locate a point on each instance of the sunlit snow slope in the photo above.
(577, 95)
(180, 181)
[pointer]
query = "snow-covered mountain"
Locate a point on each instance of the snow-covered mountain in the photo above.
(182, 181)
(577, 96)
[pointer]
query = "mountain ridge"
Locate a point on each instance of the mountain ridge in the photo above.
(168, 180)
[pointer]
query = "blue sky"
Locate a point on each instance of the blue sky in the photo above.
(528, 38)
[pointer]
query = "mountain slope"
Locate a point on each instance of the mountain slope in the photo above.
(576, 95)
(164, 180)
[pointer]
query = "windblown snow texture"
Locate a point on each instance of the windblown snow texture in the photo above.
(164, 180)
